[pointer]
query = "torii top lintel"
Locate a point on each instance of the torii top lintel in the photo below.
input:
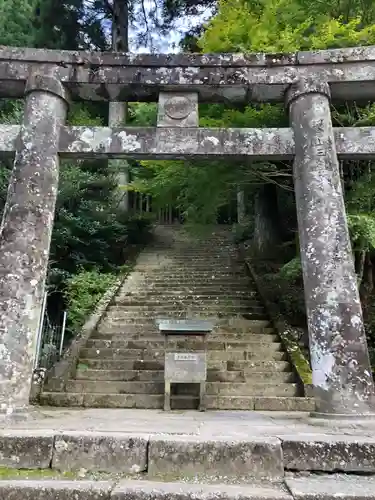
(95, 76)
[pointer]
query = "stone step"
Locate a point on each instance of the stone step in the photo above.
(170, 303)
(156, 401)
(107, 400)
(118, 312)
(187, 292)
(242, 324)
(217, 345)
(248, 367)
(164, 300)
(87, 489)
(151, 331)
(124, 375)
(198, 283)
(157, 387)
(147, 328)
(260, 403)
(270, 351)
(256, 365)
(236, 283)
(158, 375)
(184, 292)
(218, 269)
(250, 377)
(122, 354)
(150, 319)
(190, 271)
(122, 364)
(135, 303)
(252, 389)
(115, 387)
(214, 337)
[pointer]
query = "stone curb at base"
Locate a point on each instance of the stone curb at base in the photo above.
(311, 488)
(198, 456)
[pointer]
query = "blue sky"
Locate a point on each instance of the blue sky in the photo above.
(170, 43)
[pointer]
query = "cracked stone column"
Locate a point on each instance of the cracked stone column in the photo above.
(342, 380)
(25, 236)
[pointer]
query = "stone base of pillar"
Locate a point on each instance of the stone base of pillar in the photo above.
(20, 415)
(16, 416)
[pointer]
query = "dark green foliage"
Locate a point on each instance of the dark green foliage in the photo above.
(83, 290)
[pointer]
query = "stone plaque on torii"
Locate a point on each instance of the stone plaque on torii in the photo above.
(305, 81)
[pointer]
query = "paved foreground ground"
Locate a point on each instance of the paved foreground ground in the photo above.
(230, 424)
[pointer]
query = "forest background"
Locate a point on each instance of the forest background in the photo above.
(94, 237)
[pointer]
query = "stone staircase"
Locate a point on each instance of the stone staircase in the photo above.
(181, 276)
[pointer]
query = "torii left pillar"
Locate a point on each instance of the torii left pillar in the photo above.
(25, 236)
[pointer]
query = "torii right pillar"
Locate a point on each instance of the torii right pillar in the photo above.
(342, 378)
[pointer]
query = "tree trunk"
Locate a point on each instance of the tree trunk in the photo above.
(266, 226)
(118, 110)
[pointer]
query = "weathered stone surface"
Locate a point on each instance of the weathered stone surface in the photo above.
(150, 490)
(347, 55)
(55, 490)
(356, 143)
(177, 109)
(100, 452)
(25, 237)
(342, 377)
(332, 488)
(176, 142)
(329, 453)
(284, 404)
(126, 77)
(85, 142)
(194, 457)
(24, 449)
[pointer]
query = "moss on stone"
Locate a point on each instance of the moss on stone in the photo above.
(9, 473)
(295, 354)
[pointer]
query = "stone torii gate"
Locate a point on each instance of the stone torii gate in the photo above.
(306, 81)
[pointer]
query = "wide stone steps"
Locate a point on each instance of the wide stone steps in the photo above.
(159, 338)
(213, 388)
(249, 367)
(127, 318)
(158, 376)
(199, 282)
(107, 331)
(266, 351)
(191, 271)
(156, 401)
(182, 297)
(171, 269)
(121, 325)
(122, 364)
(157, 302)
(210, 291)
(234, 307)
(175, 311)
(146, 327)
(323, 487)
(212, 345)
